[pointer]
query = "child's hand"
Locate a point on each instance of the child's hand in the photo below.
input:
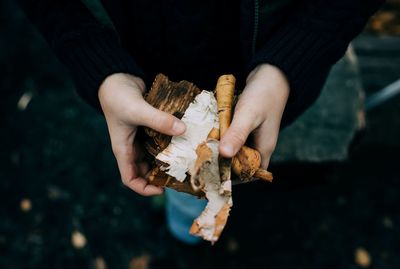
(259, 109)
(124, 108)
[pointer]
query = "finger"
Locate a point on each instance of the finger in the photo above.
(158, 120)
(126, 163)
(243, 123)
(265, 158)
(131, 172)
(125, 153)
(265, 139)
(143, 168)
(139, 151)
(142, 187)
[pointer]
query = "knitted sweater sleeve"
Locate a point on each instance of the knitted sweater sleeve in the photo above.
(89, 49)
(309, 43)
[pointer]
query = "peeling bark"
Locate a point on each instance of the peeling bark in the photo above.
(190, 162)
(225, 91)
(212, 220)
(247, 165)
(200, 117)
(160, 178)
(173, 98)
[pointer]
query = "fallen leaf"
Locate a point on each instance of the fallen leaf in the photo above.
(24, 101)
(78, 240)
(362, 257)
(140, 262)
(26, 205)
(99, 263)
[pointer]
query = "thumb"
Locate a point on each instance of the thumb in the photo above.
(159, 120)
(234, 138)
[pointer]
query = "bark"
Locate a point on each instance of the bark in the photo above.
(211, 222)
(225, 91)
(173, 98)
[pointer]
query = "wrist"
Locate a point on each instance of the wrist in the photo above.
(119, 80)
(271, 77)
(118, 92)
(122, 79)
(267, 86)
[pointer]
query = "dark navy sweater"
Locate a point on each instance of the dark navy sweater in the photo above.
(199, 40)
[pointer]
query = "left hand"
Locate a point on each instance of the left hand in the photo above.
(259, 110)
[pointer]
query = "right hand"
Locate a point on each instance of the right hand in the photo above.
(121, 98)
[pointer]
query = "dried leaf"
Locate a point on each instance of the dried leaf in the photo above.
(25, 205)
(99, 263)
(362, 257)
(78, 240)
(140, 262)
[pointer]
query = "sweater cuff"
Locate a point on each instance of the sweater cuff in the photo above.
(90, 57)
(301, 54)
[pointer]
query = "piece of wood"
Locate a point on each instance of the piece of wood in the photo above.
(206, 174)
(225, 91)
(173, 98)
(263, 175)
(214, 134)
(159, 178)
(247, 161)
(247, 164)
(212, 220)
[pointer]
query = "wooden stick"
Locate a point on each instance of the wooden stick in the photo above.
(213, 134)
(225, 90)
(263, 175)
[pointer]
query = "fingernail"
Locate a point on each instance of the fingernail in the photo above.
(178, 127)
(228, 149)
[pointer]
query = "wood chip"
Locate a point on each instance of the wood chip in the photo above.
(24, 101)
(211, 222)
(362, 257)
(78, 240)
(99, 263)
(25, 205)
(140, 262)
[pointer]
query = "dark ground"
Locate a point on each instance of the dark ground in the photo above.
(56, 154)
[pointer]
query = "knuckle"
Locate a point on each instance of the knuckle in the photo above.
(251, 117)
(125, 181)
(156, 120)
(161, 121)
(117, 150)
(145, 194)
(239, 136)
(257, 117)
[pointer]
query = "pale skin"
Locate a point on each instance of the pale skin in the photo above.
(258, 111)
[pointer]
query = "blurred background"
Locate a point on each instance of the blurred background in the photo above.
(62, 204)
